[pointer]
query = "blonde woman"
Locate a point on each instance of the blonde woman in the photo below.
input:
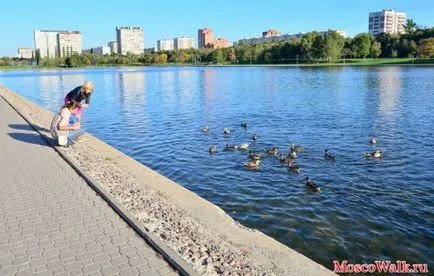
(79, 94)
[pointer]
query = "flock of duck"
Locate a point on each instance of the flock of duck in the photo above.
(288, 159)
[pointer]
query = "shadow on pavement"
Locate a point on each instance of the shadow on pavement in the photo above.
(31, 138)
(27, 127)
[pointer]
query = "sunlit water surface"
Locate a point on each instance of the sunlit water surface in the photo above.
(367, 209)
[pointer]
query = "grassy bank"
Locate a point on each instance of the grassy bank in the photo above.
(341, 62)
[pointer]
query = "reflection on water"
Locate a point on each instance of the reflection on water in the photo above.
(366, 210)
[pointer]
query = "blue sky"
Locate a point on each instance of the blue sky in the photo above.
(166, 19)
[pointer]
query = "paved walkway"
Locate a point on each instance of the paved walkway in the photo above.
(52, 222)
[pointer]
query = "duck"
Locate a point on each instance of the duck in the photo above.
(293, 168)
(283, 159)
(328, 155)
(205, 129)
(231, 147)
(292, 155)
(254, 137)
(244, 146)
(373, 141)
(212, 149)
(253, 164)
(376, 154)
(244, 125)
(311, 185)
(272, 151)
(226, 131)
(293, 147)
(254, 155)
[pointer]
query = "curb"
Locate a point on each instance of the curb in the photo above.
(169, 255)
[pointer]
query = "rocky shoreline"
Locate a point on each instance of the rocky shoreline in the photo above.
(204, 236)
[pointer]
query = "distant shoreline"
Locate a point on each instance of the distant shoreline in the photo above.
(348, 62)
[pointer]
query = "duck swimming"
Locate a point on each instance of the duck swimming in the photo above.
(244, 146)
(244, 125)
(212, 149)
(254, 137)
(254, 155)
(292, 155)
(293, 147)
(328, 155)
(376, 154)
(205, 129)
(373, 141)
(311, 185)
(231, 147)
(253, 164)
(283, 159)
(272, 151)
(226, 131)
(293, 168)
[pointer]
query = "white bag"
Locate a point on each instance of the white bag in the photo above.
(62, 138)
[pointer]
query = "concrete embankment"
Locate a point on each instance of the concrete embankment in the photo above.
(197, 231)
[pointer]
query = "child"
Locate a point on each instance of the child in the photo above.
(61, 127)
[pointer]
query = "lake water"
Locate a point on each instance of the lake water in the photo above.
(367, 209)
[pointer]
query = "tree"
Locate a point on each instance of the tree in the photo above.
(426, 48)
(232, 56)
(375, 49)
(268, 56)
(410, 26)
(306, 49)
(163, 58)
(38, 56)
(333, 45)
(217, 56)
(362, 44)
(412, 47)
(86, 61)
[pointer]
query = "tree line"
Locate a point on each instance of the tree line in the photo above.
(310, 48)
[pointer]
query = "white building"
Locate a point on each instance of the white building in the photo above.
(386, 21)
(130, 40)
(113, 47)
(55, 43)
(342, 33)
(26, 53)
(165, 45)
(183, 43)
(46, 43)
(100, 51)
(69, 42)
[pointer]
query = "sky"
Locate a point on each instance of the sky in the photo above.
(231, 19)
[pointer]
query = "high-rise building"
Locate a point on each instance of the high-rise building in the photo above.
(271, 33)
(165, 45)
(386, 21)
(55, 43)
(25, 53)
(205, 38)
(69, 42)
(102, 50)
(113, 47)
(183, 42)
(220, 43)
(130, 40)
(46, 43)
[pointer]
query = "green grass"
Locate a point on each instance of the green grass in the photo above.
(341, 62)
